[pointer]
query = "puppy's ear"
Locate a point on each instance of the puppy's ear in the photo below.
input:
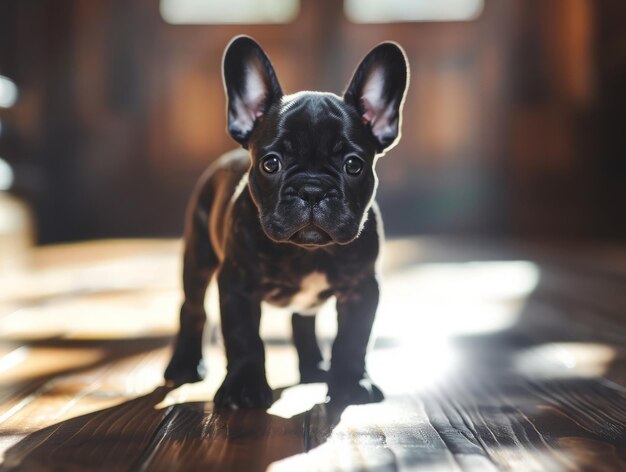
(251, 86)
(377, 91)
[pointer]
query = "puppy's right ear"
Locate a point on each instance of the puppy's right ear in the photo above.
(251, 86)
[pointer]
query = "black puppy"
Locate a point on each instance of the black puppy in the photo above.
(292, 222)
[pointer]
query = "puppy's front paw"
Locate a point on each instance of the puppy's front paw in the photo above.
(185, 367)
(354, 392)
(244, 388)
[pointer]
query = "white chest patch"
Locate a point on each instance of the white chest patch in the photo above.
(308, 296)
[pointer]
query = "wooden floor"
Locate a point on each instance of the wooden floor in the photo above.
(491, 356)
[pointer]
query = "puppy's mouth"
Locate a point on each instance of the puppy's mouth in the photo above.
(311, 236)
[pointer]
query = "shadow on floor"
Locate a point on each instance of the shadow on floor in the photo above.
(136, 435)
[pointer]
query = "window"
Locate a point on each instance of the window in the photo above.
(6, 175)
(8, 92)
(180, 12)
(394, 11)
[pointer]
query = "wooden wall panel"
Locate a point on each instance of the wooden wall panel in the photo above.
(120, 112)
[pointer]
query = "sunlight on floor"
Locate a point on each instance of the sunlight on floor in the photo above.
(448, 299)
(566, 360)
(298, 399)
(425, 306)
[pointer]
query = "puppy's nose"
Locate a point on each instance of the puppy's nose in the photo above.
(311, 193)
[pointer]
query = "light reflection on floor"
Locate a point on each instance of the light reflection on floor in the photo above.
(298, 399)
(418, 320)
(425, 306)
(566, 359)
(450, 299)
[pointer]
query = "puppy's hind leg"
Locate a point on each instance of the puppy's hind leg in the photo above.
(199, 265)
(309, 354)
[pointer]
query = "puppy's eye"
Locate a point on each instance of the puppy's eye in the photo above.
(353, 165)
(271, 164)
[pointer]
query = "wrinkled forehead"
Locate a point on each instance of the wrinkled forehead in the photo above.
(313, 120)
(312, 108)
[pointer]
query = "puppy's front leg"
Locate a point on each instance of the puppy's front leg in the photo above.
(199, 264)
(245, 384)
(348, 381)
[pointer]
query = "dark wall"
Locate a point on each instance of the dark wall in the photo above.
(513, 123)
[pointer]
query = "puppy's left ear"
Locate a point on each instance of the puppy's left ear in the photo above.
(251, 86)
(377, 91)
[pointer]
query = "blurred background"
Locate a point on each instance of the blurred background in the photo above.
(514, 124)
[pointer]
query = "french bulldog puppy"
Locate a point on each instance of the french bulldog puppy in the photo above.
(291, 220)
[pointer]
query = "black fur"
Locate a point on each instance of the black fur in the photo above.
(264, 233)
